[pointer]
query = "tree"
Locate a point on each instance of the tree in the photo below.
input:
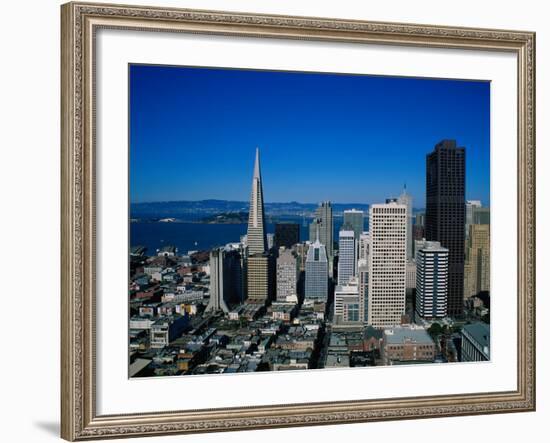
(435, 329)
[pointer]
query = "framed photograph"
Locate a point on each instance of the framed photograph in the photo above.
(277, 221)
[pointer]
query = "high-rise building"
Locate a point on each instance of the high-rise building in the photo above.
(445, 213)
(364, 246)
(260, 277)
(481, 216)
(287, 235)
(256, 234)
(423, 243)
(363, 283)
(470, 205)
(387, 264)
(259, 273)
(287, 275)
(410, 281)
(217, 286)
(354, 219)
(226, 282)
(431, 282)
(347, 304)
(323, 226)
(406, 199)
(478, 264)
(316, 287)
(347, 261)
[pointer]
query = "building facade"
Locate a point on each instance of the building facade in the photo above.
(407, 344)
(347, 260)
(445, 213)
(287, 275)
(387, 264)
(322, 228)
(406, 199)
(477, 269)
(476, 342)
(256, 238)
(260, 278)
(316, 286)
(354, 219)
(347, 306)
(432, 267)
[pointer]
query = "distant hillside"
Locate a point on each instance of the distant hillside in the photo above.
(197, 210)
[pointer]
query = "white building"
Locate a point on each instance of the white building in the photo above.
(406, 199)
(287, 275)
(347, 305)
(411, 274)
(387, 264)
(346, 256)
(364, 246)
(432, 274)
(363, 283)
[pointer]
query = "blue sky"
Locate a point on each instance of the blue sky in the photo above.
(344, 138)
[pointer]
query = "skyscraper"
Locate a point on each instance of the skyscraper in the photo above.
(217, 286)
(347, 260)
(316, 272)
(363, 283)
(226, 282)
(470, 205)
(354, 219)
(364, 246)
(387, 264)
(478, 265)
(406, 199)
(256, 235)
(260, 277)
(287, 275)
(431, 282)
(324, 225)
(287, 235)
(260, 273)
(445, 213)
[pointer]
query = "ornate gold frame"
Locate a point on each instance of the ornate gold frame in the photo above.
(79, 420)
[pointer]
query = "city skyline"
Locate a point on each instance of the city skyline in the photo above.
(166, 137)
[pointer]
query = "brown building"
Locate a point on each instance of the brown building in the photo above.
(404, 344)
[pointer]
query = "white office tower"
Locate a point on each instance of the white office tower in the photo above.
(406, 199)
(346, 256)
(347, 306)
(287, 275)
(316, 272)
(217, 282)
(364, 246)
(387, 264)
(363, 288)
(256, 235)
(432, 276)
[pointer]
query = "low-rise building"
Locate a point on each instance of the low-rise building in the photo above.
(407, 343)
(476, 342)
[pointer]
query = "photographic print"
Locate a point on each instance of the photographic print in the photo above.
(304, 220)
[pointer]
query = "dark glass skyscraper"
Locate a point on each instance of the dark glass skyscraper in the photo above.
(445, 213)
(286, 234)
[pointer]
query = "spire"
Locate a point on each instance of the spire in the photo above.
(257, 164)
(257, 239)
